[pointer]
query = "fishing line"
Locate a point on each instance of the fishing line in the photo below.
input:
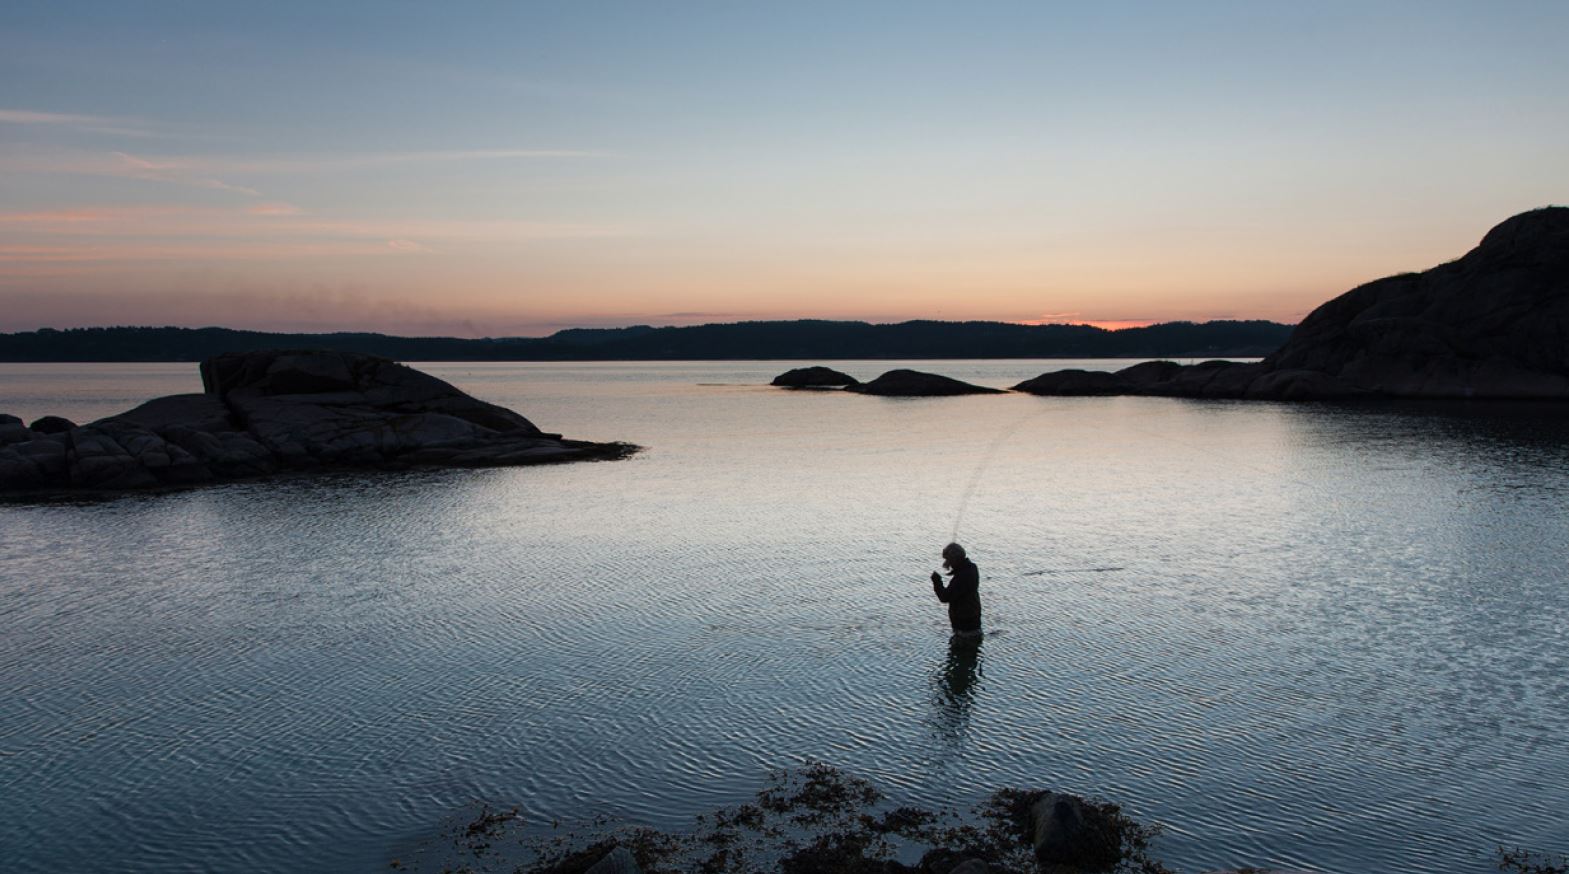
(985, 462)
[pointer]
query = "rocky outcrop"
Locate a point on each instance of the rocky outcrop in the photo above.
(914, 383)
(270, 411)
(1493, 324)
(814, 377)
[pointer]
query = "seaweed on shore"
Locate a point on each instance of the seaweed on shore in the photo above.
(811, 820)
(1523, 861)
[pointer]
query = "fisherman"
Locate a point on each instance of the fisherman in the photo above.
(962, 594)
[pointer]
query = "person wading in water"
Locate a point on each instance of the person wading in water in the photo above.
(962, 594)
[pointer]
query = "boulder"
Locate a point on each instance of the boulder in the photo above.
(52, 425)
(813, 377)
(13, 431)
(1068, 831)
(914, 383)
(618, 861)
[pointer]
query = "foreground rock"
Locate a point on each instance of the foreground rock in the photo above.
(617, 861)
(914, 383)
(1494, 324)
(1068, 831)
(814, 377)
(271, 411)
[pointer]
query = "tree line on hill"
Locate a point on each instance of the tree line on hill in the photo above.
(804, 339)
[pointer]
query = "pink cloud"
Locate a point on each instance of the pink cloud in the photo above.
(407, 246)
(274, 209)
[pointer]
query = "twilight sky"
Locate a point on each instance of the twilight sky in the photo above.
(514, 168)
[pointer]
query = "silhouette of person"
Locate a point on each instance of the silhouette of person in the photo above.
(962, 593)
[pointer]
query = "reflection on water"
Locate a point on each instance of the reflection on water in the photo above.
(1300, 636)
(955, 680)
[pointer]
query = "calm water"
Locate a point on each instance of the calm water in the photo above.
(1313, 636)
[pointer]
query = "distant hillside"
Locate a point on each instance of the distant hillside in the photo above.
(806, 339)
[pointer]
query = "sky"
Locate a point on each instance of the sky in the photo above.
(512, 169)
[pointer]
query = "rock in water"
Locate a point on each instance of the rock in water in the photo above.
(914, 383)
(275, 410)
(814, 377)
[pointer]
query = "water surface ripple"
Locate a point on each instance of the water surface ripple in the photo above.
(1313, 636)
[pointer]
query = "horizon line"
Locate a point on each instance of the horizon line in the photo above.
(1101, 325)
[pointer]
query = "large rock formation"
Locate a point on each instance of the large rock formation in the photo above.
(278, 410)
(914, 383)
(1494, 324)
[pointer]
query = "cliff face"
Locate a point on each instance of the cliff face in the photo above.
(1494, 324)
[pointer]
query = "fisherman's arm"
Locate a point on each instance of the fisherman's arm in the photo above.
(937, 587)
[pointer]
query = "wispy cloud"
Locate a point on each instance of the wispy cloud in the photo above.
(198, 252)
(176, 172)
(286, 220)
(409, 247)
(174, 232)
(273, 209)
(215, 173)
(90, 123)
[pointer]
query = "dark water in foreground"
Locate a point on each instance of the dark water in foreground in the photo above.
(1314, 636)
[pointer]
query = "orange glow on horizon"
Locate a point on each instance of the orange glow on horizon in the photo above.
(1104, 324)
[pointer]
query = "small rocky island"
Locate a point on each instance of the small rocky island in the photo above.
(918, 384)
(814, 377)
(894, 383)
(270, 411)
